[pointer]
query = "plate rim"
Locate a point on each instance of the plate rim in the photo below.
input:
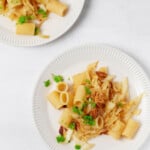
(28, 44)
(91, 45)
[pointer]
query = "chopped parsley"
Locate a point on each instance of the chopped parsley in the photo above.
(42, 12)
(77, 147)
(84, 105)
(89, 120)
(119, 104)
(88, 81)
(72, 125)
(47, 83)
(24, 19)
(93, 104)
(37, 30)
(87, 90)
(58, 78)
(75, 109)
(60, 138)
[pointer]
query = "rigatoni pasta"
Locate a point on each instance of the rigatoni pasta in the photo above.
(96, 104)
(26, 28)
(64, 98)
(57, 7)
(131, 128)
(54, 98)
(62, 87)
(79, 96)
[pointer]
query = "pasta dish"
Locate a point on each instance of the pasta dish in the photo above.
(30, 14)
(93, 104)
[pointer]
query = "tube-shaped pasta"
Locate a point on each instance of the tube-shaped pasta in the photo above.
(71, 96)
(62, 87)
(65, 118)
(99, 122)
(117, 129)
(64, 98)
(54, 99)
(57, 7)
(26, 28)
(78, 79)
(131, 129)
(79, 95)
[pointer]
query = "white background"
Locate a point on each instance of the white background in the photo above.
(123, 24)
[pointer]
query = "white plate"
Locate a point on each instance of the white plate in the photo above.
(75, 60)
(55, 26)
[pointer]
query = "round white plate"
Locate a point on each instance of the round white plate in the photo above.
(55, 26)
(76, 60)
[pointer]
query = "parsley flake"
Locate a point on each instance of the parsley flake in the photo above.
(77, 147)
(75, 109)
(47, 83)
(60, 138)
(58, 78)
(72, 125)
(89, 120)
(42, 12)
(87, 90)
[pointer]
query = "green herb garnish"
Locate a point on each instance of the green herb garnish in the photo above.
(87, 81)
(42, 12)
(75, 109)
(93, 104)
(37, 31)
(87, 90)
(72, 125)
(60, 138)
(47, 83)
(77, 147)
(84, 105)
(58, 78)
(89, 120)
(24, 19)
(119, 104)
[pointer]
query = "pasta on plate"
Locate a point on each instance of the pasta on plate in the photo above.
(93, 105)
(30, 14)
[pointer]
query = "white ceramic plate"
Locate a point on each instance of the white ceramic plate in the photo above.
(55, 26)
(75, 60)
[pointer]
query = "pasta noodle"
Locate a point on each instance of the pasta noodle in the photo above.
(79, 95)
(65, 118)
(54, 98)
(117, 129)
(57, 7)
(79, 79)
(62, 87)
(131, 129)
(26, 28)
(97, 104)
(64, 98)
(36, 12)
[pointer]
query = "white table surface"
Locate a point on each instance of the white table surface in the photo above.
(123, 24)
